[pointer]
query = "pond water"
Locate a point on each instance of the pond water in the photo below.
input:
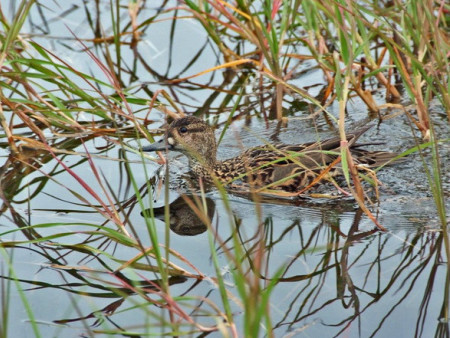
(337, 274)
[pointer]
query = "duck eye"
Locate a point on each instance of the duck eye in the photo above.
(183, 130)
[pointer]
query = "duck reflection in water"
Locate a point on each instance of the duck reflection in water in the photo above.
(185, 217)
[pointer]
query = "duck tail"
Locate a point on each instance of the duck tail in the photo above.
(375, 159)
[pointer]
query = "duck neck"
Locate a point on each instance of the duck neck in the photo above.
(205, 170)
(202, 165)
(202, 158)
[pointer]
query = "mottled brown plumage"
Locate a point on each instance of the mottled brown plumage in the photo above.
(280, 166)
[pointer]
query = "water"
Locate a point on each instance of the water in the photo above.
(341, 277)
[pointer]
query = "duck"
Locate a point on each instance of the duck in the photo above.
(283, 167)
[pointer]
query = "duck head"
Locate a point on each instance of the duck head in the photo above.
(192, 137)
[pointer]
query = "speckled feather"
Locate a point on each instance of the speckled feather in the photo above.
(280, 166)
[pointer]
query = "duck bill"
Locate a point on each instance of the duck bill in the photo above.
(160, 145)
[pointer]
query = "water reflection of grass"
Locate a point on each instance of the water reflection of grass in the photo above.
(53, 115)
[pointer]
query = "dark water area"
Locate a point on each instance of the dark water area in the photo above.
(337, 274)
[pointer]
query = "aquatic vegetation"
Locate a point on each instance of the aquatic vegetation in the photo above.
(87, 223)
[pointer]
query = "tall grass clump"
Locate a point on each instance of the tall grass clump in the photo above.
(42, 94)
(395, 45)
(50, 110)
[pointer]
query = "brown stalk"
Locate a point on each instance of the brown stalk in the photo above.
(5, 127)
(367, 97)
(422, 111)
(353, 172)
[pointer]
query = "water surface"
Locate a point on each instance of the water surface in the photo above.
(340, 276)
